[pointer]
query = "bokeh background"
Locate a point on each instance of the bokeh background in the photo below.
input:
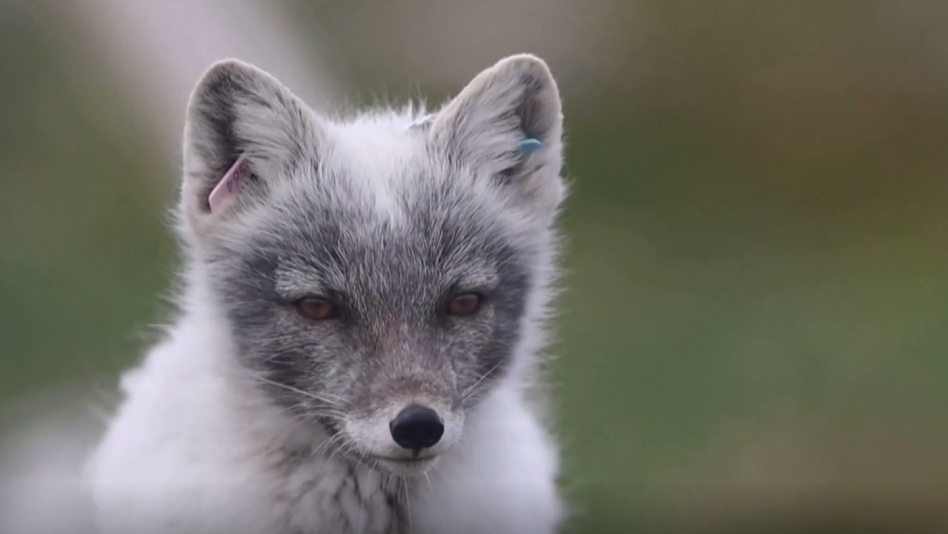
(754, 333)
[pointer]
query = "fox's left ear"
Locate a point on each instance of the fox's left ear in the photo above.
(509, 120)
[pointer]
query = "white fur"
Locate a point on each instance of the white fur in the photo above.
(203, 459)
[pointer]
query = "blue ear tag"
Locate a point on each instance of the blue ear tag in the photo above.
(530, 145)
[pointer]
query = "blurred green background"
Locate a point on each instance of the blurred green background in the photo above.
(755, 328)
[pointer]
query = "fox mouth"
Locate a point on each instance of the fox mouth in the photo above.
(407, 461)
(406, 466)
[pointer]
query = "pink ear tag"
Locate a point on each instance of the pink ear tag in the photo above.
(228, 186)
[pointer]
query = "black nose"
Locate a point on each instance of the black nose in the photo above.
(416, 427)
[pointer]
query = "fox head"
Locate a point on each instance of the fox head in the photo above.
(379, 275)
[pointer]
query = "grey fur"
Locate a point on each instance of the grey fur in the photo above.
(455, 207)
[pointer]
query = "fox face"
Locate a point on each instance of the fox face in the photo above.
(380, 275)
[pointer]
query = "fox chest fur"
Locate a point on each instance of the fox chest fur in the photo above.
(338, 497)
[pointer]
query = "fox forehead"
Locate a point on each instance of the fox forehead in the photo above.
(377, 153)
(295, 278)
(378, 169)
(388, 197)
(431, 236)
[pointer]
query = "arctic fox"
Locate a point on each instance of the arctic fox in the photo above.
(361, 324)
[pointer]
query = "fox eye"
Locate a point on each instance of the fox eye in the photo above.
(464, 304)
(316, 309)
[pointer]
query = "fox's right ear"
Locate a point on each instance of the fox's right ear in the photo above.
(243, 127)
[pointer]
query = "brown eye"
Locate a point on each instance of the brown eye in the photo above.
(464, 304)
(316, 309)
